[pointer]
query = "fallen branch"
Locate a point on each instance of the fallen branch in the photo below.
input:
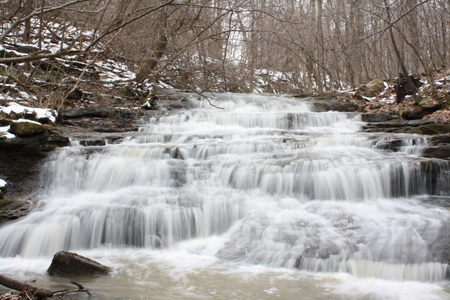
(33, 57)
(65, 292)
(32, 292)
(4, 72)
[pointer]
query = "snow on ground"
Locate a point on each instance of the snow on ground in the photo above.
(2, 183)
(17, 108)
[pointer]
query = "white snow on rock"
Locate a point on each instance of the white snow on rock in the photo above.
(27, 121)
(2, 183)
(17, 108)
(6, 133)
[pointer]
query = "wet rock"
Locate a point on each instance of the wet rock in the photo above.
(440, 250)
(435, 178)
(439, 148)
(12, 210)
(98, 142)
(440, 139)
(68, 263)
(392, 145)
(177, 105)
(378, 117)
(442, 152)
(21, 157)
(434, 129)
(93, 111)
(334, 105)
(397, 126)
(26, 128)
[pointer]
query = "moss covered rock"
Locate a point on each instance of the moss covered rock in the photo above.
(26, 128)
(434, 129)
(376, 85)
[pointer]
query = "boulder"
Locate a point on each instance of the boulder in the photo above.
(376, 85)
(69, 263)
(372, 88)
(26, 128)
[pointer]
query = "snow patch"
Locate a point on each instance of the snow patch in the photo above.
(27, 121)
(4, 133)
(17, 108)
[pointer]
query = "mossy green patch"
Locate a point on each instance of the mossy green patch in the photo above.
(9, 205)
(434, 129)
(26, 128)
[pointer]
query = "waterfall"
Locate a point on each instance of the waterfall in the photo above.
(282, 185)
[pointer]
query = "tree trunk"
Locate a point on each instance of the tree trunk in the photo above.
(399, 56)
(149, 65)
(28, 8)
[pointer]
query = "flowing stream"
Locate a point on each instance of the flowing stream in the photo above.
(263, 199)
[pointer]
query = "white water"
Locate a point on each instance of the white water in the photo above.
(264, 199)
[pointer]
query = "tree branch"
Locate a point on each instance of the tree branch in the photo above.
(38, 293)
(390, 24)
(36, 12)
(29, 289)
(28, 58)
(108, 32)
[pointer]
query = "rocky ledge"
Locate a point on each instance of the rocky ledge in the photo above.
(22, 157)
(438, 134)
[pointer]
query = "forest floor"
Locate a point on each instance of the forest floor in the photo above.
(385, 101)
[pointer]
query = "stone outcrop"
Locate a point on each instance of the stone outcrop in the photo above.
(69, 264)
(439, 148)
(376, 118)
(92, 111)
(21, 157)
(12, 210)
(323, 103)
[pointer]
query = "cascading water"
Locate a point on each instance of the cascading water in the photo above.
(315, 206)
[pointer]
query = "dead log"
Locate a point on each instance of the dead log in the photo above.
(32, 292)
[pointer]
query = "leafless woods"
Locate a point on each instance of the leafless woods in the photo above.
(294, 46)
